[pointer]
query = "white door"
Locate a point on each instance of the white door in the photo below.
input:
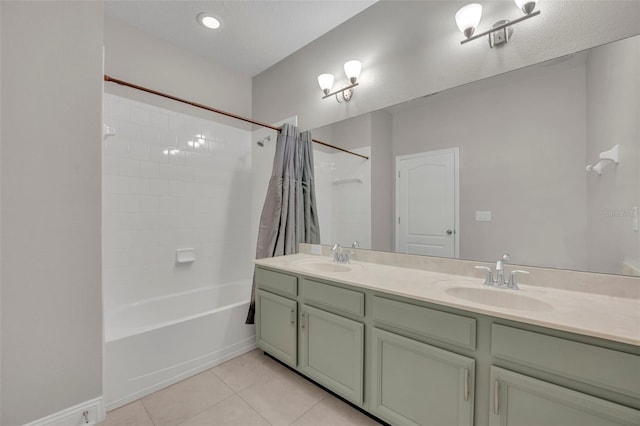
(427, 203)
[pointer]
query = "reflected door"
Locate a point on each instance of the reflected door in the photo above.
(427, 203)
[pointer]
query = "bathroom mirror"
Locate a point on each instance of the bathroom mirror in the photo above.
(520, 182)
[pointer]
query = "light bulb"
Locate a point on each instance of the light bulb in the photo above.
(468, 18)
(527, 6)
(352, 69)
(326, 82)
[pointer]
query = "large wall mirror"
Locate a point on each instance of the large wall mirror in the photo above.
(498, 166)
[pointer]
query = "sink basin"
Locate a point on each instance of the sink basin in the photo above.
(323, 267)
(499, 298)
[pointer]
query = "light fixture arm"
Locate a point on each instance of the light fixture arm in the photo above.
(344, 89)
(501, 27)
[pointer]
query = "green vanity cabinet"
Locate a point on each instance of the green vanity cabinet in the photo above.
(276, 326)
(412, 362)
(333, 352)
(418, 384)
(520, 400)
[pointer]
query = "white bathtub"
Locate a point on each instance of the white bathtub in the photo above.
(157, 342)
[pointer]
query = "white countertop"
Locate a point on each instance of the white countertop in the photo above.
(597, 315)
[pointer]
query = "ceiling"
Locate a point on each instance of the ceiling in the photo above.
(255, 34)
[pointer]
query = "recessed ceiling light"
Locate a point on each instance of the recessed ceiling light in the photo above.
(209, 21)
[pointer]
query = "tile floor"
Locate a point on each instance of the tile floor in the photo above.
(251, 389)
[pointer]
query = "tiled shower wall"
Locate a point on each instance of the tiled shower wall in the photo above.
(172, 181)
(344, 206)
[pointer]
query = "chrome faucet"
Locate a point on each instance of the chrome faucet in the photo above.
(338, 255)
(500, 269)
(499, 280)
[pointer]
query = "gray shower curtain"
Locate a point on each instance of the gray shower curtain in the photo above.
(289, 215)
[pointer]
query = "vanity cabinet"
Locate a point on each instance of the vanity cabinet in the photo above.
(332, 337)
(520, 400)
(418, 384)
(524, 399)
(277, 315)
(276, 326)
(412, 362)
(333, 352)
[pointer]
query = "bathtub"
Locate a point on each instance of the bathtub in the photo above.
(154, 343)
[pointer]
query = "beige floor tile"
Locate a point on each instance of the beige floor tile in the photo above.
(132, 414)
(332, 411)
(283, 399)
(248, 369)
(184, 400)
(232, 411)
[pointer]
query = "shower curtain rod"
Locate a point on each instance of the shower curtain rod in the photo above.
(217, 111)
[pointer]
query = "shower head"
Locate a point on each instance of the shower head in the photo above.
(263, 140)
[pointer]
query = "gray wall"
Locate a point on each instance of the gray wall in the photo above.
(51, 345)
(136, 57)
(522, 156)
(613, 91)
(50, 264)
(410, 49)
(382, 223)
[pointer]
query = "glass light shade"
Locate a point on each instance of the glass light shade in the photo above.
(326, 82)
(527, 6)
(468, 18)
(352, 70)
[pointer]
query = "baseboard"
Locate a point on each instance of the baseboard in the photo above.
(243, 348)
(75, 416)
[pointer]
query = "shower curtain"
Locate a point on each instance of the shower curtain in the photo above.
(289, 215)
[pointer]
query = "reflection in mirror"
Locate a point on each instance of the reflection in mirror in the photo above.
(525, 139)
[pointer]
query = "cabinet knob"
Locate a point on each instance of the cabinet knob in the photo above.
(449, 231)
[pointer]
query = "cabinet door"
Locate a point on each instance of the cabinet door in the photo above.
(333, 352)
(518, 400)
(276, 326)
(417, 384)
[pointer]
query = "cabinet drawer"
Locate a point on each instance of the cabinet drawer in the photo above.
(605, 368)
(426, 322)
(333, 298)
(277, 282)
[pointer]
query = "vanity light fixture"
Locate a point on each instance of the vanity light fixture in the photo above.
(352, 70)
(468, 18)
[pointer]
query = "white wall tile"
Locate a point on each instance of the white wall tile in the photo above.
(155, 202)
(139, 150)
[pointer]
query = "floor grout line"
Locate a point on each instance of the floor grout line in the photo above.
(310, 408)
(208, 408)
(283, 374)
(147, 411)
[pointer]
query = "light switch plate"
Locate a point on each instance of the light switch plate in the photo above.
(483, 216)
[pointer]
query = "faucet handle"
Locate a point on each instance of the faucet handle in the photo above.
(489, 279)
(513, 282)
(355, 244)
